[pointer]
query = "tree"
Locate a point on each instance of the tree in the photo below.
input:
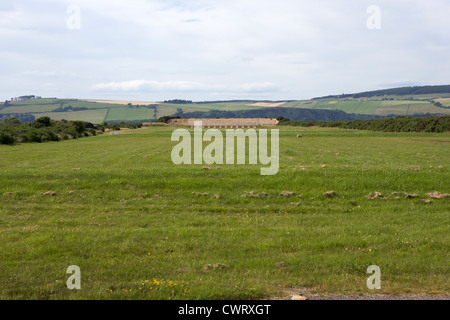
(14, 122)
(6, 138)
(79, 126)
(42, 122)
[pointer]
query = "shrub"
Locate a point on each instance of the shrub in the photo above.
(50, 135)
(397, 124)
(33, 136)
(78, 126)
(42, 122)
(6, 138)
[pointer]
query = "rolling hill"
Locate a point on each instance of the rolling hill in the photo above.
(434, 100)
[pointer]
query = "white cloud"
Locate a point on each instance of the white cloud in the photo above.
(180, 86)
(259, 87)
(156, 86)
(287, 49)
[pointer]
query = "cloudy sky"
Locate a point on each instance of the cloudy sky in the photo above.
(151, 50)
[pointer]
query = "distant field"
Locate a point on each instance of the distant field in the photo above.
(119, 111)
(36, 101)
(409, 109)
(445, 102)
(130, 218)
(308, 104)
(91, 105)
(378, 107)
(122, 102)
(46, 105)
(95, 116)
(29, 108)
(130, 114)
(266, 104)
(363, 107)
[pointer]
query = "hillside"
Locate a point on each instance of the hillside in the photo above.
(433, 100)
(402, 91)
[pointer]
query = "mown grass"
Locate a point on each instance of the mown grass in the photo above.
(137, 231)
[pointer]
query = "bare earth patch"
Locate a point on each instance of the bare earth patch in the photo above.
(252, 194)
(405, 194)
(266, 104)
(301, 293)
(200, 193)
(287, 194)
(216, 266)
(375, 195)
(122, 102)
(330, 194)
(438, 195)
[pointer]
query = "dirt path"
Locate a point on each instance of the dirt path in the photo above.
(381, 297)
(300, 294)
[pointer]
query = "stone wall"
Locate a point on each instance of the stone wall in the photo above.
(225, 122)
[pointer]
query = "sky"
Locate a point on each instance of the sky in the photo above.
(154, 50)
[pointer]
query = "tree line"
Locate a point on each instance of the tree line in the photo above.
(22, 117)
(297, 114)
(402, 91)
(42, 129)
(69, 108)
(21, 98)
(12, 130)
(397, 124)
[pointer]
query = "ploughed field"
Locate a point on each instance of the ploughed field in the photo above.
(140, 227)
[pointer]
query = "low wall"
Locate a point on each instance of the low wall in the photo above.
(225, 122)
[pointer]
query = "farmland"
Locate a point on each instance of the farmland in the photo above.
(141, 227)
(373, 107)
(129, 114)
(97, 111)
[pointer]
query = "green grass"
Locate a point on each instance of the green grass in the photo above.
(376, 107)
(362, 107)
(306, 104)
(92, 105)
(130, 114)
(41, 101)
(95, 116)
(410, 109)
(132, 217)
(445, 103)
(418, 108)
(47, 105)
(29, 108)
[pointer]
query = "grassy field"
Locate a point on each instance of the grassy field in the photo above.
(29, 108)
(47, 105)
(129, 219)
(378, 107)
(95, 116)
(129, 114)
